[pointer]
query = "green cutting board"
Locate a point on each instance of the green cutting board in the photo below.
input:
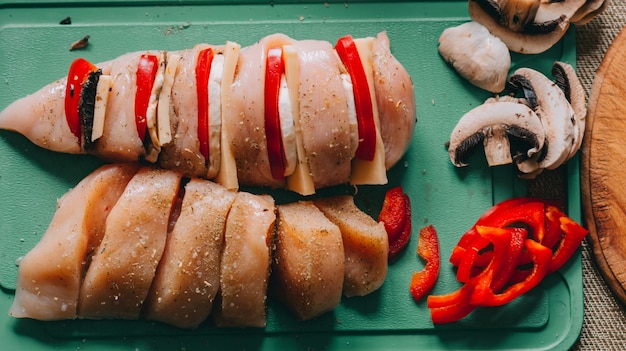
(34, 50)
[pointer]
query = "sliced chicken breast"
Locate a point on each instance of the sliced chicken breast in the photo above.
(188, 276)
(324, 119)
(365, 244)
(244, 114)
(50, 275)
(395, 99)
(123, 266)
(245, 265)
(309, 262)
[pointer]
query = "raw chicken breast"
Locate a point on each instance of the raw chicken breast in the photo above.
(246, 262)
(244, 114)
(123, 267)
(364, 241)
(324, 118)
(50, 275)
(395, 99)
(188, 277)
(120, 141)
(309, 262)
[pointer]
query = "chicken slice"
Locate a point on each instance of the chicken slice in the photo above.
(245, 265)
(123, 267)
(324, 119)
(188, 276)
(50, 275)
(309, 262)
(365, 244)
(395, 99)
(244, 114)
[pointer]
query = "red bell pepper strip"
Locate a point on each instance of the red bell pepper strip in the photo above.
(396, 217)
(349, 55)
(146, 71)
(428, 249)
(451, 307)
(553, 233)
(203, 70)
(464, 270)
(76, 77)
(274, 69)
(574, 234)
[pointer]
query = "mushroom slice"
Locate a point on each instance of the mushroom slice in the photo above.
(553, 109)
(503, 127)
(517, 24)
(588, 11)
(568, 81)
(478, 56)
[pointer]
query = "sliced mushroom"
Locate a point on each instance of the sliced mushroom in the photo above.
(588, 11)
(503, 127)
(525, 26)
(555, 112)
(477, 55)
(568, 81)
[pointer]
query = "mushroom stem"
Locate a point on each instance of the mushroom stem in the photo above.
(497, 146)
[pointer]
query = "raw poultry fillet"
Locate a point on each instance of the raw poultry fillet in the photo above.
(281, 113)
(134, 242)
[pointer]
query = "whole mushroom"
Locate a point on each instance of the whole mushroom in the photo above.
(478, 56)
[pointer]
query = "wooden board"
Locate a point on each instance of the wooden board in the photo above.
(603, 168)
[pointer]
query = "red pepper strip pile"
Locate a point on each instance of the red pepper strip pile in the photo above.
(146, 70)
(509, 250)
(76, 77)
(396, 216)
(428, 249)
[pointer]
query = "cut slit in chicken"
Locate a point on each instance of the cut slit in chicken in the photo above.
(222, 137)
(149, 243)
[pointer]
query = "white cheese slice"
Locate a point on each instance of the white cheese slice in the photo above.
(154, 148)
(215, 113)
(354, 124)
(374, 171)
(287, 128)
(103, 88)
(163, 111)
(300, 180)
(227, 173)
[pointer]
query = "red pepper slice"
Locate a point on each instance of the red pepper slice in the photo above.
(349, 55)
(464, 271)
(396, 216)
(428, 249)
(203, 70)
(77, 75)
(146, 71)
(274, 69)
(574, 234)
(451, 307)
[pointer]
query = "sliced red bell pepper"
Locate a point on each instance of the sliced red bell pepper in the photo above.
(146, 71)
(396, 217)
(574, 234)
(203, 71)
(274, 69)
(423, 281)
(451, 307)
(76, 77)
(349, 55)
(468, 262)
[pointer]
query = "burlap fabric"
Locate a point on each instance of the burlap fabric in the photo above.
(604, 325)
